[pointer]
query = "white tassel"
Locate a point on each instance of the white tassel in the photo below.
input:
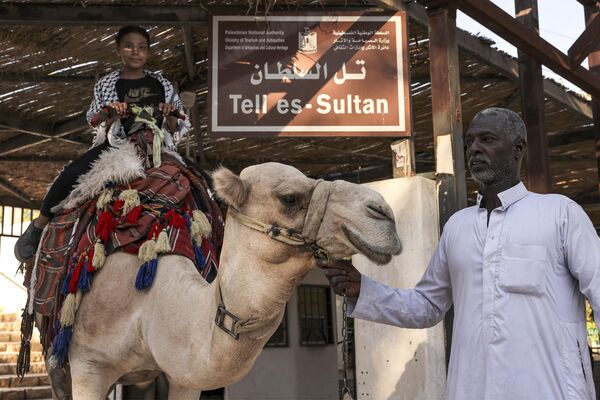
(163, 244)
(68, 310)
(131, 200)
(104, 198)
(201, 228)
(99, 256)
(147, 251)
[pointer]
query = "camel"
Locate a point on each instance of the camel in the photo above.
(122, 335)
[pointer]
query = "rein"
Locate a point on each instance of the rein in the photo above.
(307, 239)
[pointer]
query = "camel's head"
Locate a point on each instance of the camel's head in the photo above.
(343, 218)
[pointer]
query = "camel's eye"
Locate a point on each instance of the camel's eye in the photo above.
(289, 200)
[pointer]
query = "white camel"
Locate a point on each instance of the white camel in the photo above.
(123, 335)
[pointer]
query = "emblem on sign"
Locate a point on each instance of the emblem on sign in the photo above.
(307, 41)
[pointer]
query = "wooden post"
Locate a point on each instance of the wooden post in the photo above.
(403, 158)
(532, 105)
(447, 123)
(594, 65)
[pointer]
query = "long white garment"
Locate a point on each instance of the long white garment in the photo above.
(518, 287)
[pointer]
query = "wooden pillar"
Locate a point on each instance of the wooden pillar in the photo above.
(594, 66)
(447, 123)
(532, 105)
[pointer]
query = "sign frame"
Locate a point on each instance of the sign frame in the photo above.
(403, 127)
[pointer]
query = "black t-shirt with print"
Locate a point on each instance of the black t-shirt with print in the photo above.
(146, 91)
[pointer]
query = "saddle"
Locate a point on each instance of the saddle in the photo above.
(148, 212)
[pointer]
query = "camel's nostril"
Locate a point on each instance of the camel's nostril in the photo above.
(379, 213)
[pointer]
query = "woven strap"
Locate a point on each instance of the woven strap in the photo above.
(316, 209)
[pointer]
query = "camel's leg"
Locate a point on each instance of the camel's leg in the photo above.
(60, 380)
(180, 393)
(91, 382)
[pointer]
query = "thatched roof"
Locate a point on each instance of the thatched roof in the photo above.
(47, 74)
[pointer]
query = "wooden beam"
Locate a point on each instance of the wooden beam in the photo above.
(77, 14)
(57, 133)
(18, 77)
(592, 14)
(481, 51)
(37, 159)
(447, 124)
(586, 42)
(526, 39)
(532, 105)
(9, 188)
(32, 128)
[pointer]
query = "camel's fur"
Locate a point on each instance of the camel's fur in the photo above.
(120, 333)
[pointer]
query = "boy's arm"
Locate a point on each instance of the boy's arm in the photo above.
(96, 104)
(178, 127)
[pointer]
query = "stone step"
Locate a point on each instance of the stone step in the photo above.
(28, 380)
(10, 317)
(12, 357)
(10, 336)
(15, 346)
(10, 326)
(30, 392)
(34, 368)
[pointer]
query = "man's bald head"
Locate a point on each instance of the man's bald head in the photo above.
(502, 120)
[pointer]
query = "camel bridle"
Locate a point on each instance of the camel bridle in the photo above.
(307, 239)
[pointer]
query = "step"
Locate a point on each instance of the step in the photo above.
(12, 357)
(34, 368)
(16, 346)
(29, 392)
(14, 381)
(11, 326)
(10, 317)
(10, 336)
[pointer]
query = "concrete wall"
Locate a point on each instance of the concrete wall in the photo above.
(294, 372)
(394, 363)
(13, 295)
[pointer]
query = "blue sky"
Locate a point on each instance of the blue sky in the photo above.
(561, 23)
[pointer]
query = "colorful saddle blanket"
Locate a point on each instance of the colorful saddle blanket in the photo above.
(170, 211)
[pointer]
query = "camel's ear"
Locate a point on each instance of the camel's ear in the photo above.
(230, 187)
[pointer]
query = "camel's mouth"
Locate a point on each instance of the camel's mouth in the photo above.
(377, 254)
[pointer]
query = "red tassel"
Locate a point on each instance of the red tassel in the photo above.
(154, 231)
(76, 274)
(134, 215)
(118, 205)
(90, 267)
(106, 224)
(174, 219)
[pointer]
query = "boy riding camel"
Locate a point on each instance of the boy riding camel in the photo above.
(119, 90)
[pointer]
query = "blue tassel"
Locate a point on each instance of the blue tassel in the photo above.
(85, 278)
(146, 274)
(200, 259)
(60, 345)
(188, 221)
(65, 284)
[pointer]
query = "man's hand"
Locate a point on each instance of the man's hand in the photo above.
(342, 276)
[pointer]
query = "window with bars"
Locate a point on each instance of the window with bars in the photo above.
(316, 315)
(14, 220)
(280, 336)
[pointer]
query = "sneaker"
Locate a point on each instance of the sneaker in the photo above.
(27, 244)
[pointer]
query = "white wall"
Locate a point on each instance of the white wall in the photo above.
(12, 294)
(394, 363)
(294, 372)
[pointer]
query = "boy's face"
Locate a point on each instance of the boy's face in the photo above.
(134, 51)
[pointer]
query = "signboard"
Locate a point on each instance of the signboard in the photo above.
(309, 75)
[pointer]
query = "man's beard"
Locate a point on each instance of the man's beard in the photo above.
(496, 173)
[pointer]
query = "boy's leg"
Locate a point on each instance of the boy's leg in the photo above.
(27, 244)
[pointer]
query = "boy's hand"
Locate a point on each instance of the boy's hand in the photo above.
(342, 276)
(166, 108)
(120, 108)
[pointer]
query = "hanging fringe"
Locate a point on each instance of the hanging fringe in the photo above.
(60, 346)
(200, 259)
(175, 220)
(99, 256)
(76, 274)
(106, 224)
(85, 279)
(147, 251)
(146, 274)
(104, 199)
(24, 359)
(65, 284)
(131, 200)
